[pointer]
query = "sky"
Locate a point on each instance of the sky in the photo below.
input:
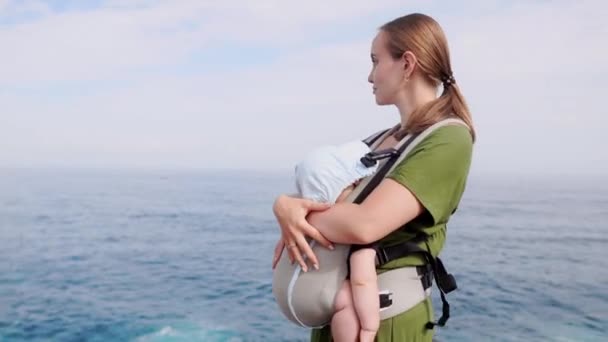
(257, 84)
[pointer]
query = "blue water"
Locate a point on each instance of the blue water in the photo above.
(185, 256)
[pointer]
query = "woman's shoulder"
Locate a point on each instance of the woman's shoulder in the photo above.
(455, 134)
(447, 146)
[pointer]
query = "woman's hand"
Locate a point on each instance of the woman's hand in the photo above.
(291, 215)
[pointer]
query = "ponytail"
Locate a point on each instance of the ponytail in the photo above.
(423, 36)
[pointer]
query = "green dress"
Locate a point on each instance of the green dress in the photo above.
(435, 171)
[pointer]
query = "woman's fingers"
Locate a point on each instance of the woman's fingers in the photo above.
(290, 253)
(288, 244)
(302, 249)
(298, 257)
(310, 255)
(291, 215)
(316, 235)
(278, 251)
(317, 206)
(311, 231)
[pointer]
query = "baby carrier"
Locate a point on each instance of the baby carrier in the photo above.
(307, 298)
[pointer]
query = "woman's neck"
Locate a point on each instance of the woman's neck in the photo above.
(418, 97)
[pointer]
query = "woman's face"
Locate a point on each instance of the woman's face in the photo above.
(387, 74)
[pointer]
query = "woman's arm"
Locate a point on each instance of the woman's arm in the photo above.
(436, 172)
(387, 208)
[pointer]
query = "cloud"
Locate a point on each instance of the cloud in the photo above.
(536, 39)
(230, 118)
(117, 38)
(124, 85)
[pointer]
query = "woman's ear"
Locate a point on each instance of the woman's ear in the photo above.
(410, 62)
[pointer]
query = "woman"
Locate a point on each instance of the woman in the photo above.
(410, 61)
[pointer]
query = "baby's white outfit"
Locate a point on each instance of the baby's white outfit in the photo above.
(325, 172)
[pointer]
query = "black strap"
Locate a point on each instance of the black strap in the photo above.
(445, 281)
(386, 300)
(369, 141)
(380, 174)
(426, 275)
(377, 177)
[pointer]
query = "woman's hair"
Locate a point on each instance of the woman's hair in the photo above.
(423, 36)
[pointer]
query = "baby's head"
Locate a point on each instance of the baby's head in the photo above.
(327, 171)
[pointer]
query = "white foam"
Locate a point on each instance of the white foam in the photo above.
(187, 333)
(167, 331)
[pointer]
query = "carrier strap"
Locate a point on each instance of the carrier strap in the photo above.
(373, 157)
(369, 141)
(444, 280)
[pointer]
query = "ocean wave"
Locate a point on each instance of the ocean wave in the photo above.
(190, 333)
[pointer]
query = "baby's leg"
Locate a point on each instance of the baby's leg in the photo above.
(344, 323)
(364, 282)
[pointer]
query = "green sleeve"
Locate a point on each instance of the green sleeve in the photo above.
(435, 171)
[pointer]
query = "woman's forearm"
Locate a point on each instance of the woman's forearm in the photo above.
(343, 223)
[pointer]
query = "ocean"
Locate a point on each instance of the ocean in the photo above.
(126, 255)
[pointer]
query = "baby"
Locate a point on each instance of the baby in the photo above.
(329, 174)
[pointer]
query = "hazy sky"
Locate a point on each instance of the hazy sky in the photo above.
(255, 84)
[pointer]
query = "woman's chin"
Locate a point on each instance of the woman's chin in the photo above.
(381, 102)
